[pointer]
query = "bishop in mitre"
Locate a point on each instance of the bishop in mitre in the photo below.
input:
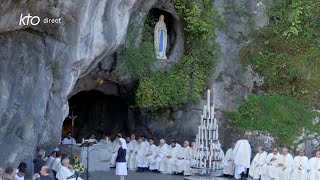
(257, 163)
(161, 152)
(66, 171)
(242, 156)
(285, 163)
(183, 162)
(228, 161)
(269, 168)
(168, 161)
(314, 165)
(300, 167)
(160, 38)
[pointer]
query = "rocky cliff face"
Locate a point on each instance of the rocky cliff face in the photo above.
(40, 66)
(230, 83)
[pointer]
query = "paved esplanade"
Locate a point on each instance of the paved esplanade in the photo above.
(136, 176)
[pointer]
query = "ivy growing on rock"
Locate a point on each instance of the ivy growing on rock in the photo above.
(186, 80)
(286, 52)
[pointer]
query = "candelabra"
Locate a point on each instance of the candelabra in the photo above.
(207, 160)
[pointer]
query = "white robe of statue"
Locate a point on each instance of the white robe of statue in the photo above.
(64, 173)
(160, 153)
(183, 161)
(300, 168)
(314, 165)
(268, 170)
(284, 172)
(160, 38)
(141, 159)
(130, 148)
(150, 153)
(256, 165)
(242, 156)
(228, 162)
(115, 148)
(166, 164)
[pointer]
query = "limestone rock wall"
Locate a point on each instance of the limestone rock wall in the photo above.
(230, 83)
(40, 65)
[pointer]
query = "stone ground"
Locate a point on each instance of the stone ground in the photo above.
(137, 176)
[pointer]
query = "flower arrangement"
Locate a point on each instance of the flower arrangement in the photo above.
(77, 165)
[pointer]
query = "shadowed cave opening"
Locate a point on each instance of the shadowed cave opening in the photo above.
(96, 113)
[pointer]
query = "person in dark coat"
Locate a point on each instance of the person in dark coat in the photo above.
(39, 162)
(121, 166)
(45, 173)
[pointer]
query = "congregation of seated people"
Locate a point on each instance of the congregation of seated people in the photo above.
(148, 155)
(276, 165)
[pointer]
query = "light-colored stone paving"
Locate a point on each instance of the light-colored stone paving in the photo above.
(137, 176)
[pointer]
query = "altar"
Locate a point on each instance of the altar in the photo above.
(99, 155)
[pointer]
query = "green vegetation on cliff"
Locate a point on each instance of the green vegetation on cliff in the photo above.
(186, 80)
(287, 54)
(282, 116)
(287, 51)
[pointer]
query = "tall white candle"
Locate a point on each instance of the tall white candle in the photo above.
(217, 133)
(212, 112)
(215, 124)
(208, 98)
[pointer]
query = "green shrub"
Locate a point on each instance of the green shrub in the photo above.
(282, 116)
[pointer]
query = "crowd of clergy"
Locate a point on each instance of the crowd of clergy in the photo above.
(172, 158)
(276, 165)
(143, 155)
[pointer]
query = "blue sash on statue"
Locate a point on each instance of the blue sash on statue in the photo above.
(161, 41)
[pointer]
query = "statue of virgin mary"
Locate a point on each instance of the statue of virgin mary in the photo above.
(160, 38)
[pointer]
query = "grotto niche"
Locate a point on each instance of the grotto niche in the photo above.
(96, 113)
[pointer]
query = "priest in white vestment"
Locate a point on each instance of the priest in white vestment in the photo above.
(166, 164)
(269, 168)
(160, 153)
(140, 157)
(228, 161)
(56, 163)
(150, 152)
(50, 159)
(194, 154)
(285, 163)
(66, 171)
(257, 163)
(69, 139)
(300, 167)
(131, 147)
(242, 156)
(183, 161)
(314, 165)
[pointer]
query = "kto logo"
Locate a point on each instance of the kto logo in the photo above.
(25, 20)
